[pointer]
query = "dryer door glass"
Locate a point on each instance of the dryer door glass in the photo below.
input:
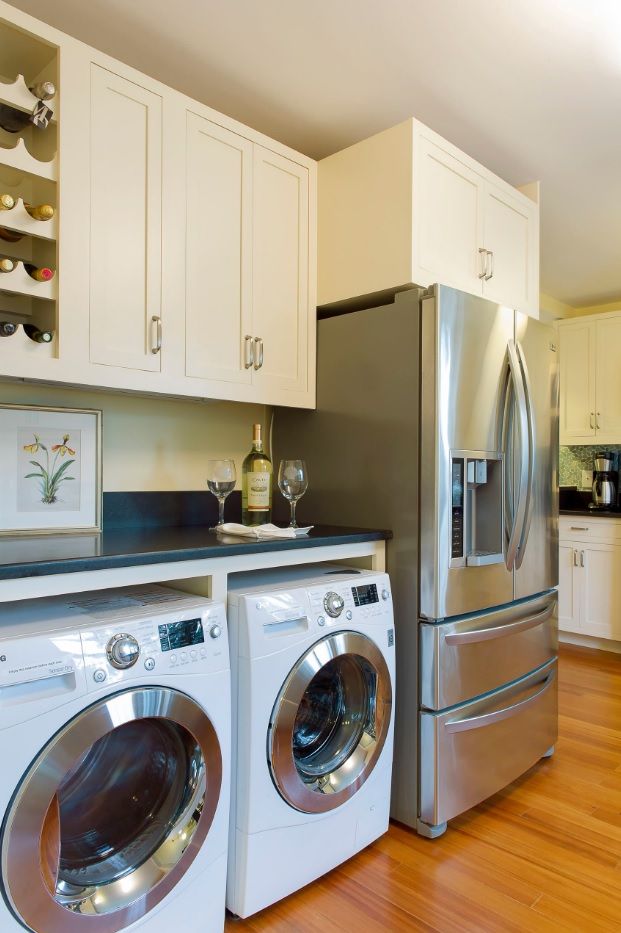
(118, 804)
(330, 722)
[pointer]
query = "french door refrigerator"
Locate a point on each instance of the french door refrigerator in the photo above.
(437, 417)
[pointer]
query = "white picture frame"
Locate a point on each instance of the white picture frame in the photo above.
(51, 469)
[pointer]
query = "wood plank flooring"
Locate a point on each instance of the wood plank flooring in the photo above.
(543, 855)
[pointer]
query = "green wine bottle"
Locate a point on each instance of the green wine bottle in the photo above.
(256, 483)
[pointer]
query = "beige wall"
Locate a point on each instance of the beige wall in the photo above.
(154, 444)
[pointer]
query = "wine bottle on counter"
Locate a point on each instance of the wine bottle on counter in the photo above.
(43, 90)
(40, 211)
(39, 336)
(256, 483)
(8, 328)
(7, 202)
(6, 264)
(39, 273)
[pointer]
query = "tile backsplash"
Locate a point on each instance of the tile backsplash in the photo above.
(573, 460)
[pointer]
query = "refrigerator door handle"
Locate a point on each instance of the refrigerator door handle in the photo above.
(478, 722)
(500, 631)
(519, 518)
(532, 447)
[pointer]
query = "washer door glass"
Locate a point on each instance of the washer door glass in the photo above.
(330, 722)
(119, 804)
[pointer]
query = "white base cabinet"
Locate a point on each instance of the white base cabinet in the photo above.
(590, 380)
(590, 577)
(406, 207)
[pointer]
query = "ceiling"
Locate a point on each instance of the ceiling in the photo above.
(532, 89)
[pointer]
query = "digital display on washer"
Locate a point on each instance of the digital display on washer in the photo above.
(175, 635)
(365, 595)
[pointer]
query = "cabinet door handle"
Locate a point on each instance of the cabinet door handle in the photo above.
(258, 355)
(582, 558)
(491, 265)
(592, 419)
(248, 352)
(575, 558)
(156, 346)
(597, 417)
(483, 253)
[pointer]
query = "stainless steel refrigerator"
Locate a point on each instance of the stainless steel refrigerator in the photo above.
(437, 417)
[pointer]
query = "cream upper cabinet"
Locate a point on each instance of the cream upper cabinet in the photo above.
(590, 380)
(218, 252)
(280, 293)
(125, 222)
(406, 207)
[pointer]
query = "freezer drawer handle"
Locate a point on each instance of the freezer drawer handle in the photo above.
(499, 631)
(487, 719)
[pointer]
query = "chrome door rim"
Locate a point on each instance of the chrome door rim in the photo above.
(327, 794)
(29, 897)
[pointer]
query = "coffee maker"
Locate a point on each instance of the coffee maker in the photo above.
(604, 493)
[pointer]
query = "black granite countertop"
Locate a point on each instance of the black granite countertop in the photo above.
(592, 513)
(40, 555)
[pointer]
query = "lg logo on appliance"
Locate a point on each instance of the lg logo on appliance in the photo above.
(2, 657)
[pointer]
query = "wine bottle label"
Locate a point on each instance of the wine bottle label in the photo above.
(259, 487)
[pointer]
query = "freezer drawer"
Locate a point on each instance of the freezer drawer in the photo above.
(471, 752)
(467, 658)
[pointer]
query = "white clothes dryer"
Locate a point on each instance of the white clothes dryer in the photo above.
(312, 664)
(115, 778)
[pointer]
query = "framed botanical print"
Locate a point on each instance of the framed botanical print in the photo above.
(50, 464)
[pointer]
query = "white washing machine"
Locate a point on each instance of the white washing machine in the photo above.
(313, 667)
(115, 777)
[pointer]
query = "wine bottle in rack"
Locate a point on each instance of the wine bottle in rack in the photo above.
(8, 328)
(13, 120)
(39, 273)
(39, 336)
(6, 264)
(7, 202)
(43, 90)
(40, 211)
(11, 236)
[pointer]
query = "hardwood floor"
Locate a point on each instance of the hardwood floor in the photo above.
(543, 855)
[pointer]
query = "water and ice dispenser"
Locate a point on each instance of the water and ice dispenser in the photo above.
(477, 497)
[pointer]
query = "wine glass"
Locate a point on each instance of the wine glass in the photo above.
(293, 483)
(221, 482)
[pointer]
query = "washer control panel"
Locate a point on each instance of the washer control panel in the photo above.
(346, 602)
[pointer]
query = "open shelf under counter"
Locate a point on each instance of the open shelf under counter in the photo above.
(17, 95)
(18, 282)
(19, 219)
(19, 158)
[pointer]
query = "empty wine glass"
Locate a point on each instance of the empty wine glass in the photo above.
(221, 482)
(293, 483)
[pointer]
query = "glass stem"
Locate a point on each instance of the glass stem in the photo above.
(221, 511)
(293, 523)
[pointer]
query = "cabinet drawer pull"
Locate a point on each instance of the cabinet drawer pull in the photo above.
(491, 265)
(248, 352)
(258, 353)
(578, 528)
(483, 258)
(157, 346)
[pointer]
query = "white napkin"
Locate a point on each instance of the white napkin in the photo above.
(261, 531)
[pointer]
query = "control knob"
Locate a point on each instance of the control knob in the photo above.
(385, 594)
(215, 631)
(123, 651)
(333, 603)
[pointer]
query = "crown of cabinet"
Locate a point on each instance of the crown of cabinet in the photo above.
(406, 207)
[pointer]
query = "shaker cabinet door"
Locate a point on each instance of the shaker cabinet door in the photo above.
(608, 380)
(280, 278)
(577, 382)
(125, 223)
(600, 568)
(448, 220)
(568, 587)
(512, 236)
(218, 251)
